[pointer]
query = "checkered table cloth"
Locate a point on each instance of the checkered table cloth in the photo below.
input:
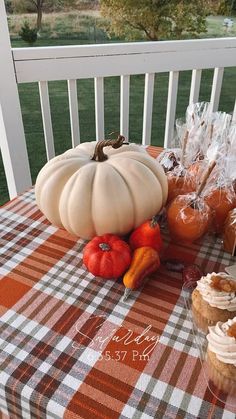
(71, 348)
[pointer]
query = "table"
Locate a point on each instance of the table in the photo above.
(70, 348)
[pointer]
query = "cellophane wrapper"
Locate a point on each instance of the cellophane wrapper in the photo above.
(180, 182)
(219, 192)
(197, 124)
(169, 159)
(189, 217)
(190, 132)
(229, 233)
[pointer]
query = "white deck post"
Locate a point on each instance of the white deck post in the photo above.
(124, 105)
(12, 137)
(74, 112)
(47, 120)
(171, 107)
(147, 108)
(99, 107)
(195, 86)
(216, 88)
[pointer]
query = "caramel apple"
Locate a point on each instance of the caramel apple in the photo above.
(188, 219)
(229, 236)
(221, 200)
(179, 184)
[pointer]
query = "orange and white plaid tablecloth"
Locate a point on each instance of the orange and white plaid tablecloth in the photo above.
(71, 348)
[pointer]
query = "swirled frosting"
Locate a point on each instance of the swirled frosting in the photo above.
(223, 345)
(214, 297)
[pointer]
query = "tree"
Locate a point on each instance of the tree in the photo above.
(8, 5)
(222, 7)
(40, 6)
(155, 19)
(227, 6)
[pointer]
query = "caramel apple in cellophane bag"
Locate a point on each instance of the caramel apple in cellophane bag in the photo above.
(179, 181)
(219, 193)
(189, 218)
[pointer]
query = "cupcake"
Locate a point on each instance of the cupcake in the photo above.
(221, 355)
(213, 300)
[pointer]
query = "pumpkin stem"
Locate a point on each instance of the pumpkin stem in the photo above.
(104, 246)
(99, 155)
(154, 221)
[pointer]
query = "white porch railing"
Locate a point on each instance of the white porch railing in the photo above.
(23, 65)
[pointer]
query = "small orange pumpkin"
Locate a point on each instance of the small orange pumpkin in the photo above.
(147, 234)
(107, 256)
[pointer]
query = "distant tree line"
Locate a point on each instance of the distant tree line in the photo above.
(134, 19)
(222, 7)
(47, 6)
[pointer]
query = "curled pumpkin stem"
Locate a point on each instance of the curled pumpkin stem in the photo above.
(99, 154)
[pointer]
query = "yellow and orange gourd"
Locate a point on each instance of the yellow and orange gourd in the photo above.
(145, 261)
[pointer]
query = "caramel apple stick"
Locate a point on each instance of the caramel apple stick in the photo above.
(185, 141)
(211, 131)
(205, 178)
(211, 134)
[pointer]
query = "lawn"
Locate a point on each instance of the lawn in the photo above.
(29, 98)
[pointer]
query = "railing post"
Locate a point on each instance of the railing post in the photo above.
(147, 108)
(12, 137)
(124, 105)
(171, 107)
(234, 113)
(195, 86)
(216, 88)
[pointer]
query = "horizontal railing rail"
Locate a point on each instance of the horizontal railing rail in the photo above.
(89, 61)
(45, 64)
(99, 61)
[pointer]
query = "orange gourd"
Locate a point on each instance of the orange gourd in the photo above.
(145, 261)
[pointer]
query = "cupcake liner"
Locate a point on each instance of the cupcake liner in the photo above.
(201, 321)
(223, 383)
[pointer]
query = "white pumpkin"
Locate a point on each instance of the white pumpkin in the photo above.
(89, 197)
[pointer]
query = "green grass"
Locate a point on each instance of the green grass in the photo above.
(215, 27)
(29, 98)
